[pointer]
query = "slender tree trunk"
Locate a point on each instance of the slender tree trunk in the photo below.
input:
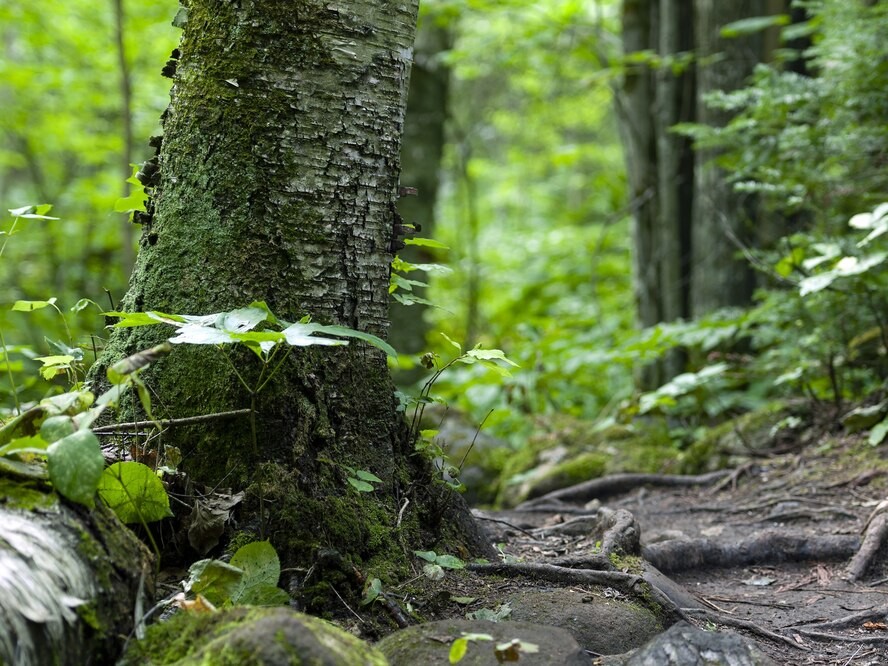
(659, 164)
(278, 180)
(723, 218)
(674, 103)
(423, 145)
(689, 223)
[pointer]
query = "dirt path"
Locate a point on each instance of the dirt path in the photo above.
(764, 552)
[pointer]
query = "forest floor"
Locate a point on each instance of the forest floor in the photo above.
(764, 551)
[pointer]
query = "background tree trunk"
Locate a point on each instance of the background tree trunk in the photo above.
(422, 147)
(724, 220)
(689, 223)
(278, 179)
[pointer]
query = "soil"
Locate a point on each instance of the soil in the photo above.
(768, 550)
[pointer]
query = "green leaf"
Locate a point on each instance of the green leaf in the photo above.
(450, 562)
(218, 581)
(35, 444)
(260, 342)
(37, 212)
(196, 334)
(260, 563)
(133, 491)
(242, 320)
(753, 24)
(30, 306)
(490, 355)
(300, 335)
(427, 555)
(128, 319)
(262, 595)
(56, 427)
(372, 591)
(54, 365)
(452, 342)
(425, 242)
(75, 465)
(345, 332)
(367, 476)
(878, 433)
(458, 650)
(360, 486)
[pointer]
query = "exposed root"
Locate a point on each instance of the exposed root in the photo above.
(752, 627)
(840, 638)
(874, 538)
(853, 621)
(617, 484)
(770, 546)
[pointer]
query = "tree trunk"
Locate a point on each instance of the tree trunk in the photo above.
(69, 580)
(723, 218)
(689, 223)
(278, 180)
(423, 145)
(659, 164)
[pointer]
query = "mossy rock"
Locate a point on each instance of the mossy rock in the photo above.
(729, 443)
(576, 470)
(250, 637)
(575, 451)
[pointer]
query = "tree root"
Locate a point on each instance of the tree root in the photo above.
(752, 627)
(853, 621)
(875, 536)
(771, 546)
(618, 484)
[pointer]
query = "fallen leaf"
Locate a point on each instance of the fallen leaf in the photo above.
(759, 581)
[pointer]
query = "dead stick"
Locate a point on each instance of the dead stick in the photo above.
(168, 423)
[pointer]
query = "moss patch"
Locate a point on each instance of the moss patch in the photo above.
(250, 637)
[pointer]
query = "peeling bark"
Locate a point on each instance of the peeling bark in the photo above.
(69, 581)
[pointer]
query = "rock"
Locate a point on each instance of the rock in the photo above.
(249, 636)
(604, 626)
(429, 644)
(685, 645)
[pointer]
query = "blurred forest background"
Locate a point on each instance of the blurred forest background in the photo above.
(667, 213)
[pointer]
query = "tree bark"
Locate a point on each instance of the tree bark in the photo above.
(278, 181)
(659, 164)
(69, 580)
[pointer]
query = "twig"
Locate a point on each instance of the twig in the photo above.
(338, 596)
(168, 423)
(507, 524)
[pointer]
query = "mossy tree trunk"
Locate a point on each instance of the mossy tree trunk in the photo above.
(278, 180)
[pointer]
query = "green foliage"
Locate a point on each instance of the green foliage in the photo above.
(63, 139)
(533, 209)
(134, 492)
(435, 564)
(250, 578)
